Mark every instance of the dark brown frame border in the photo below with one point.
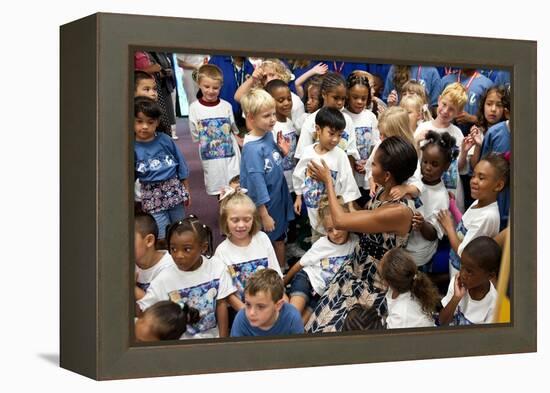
(96, 147)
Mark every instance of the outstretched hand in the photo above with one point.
(320, 172)
(320, 69)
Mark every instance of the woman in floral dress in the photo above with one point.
(385, 224)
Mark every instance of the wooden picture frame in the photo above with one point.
(96, 196)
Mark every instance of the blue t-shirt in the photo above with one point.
(289, 322)
(426, 76)
(159, 160)
(232, 79)
(262, 174)
(499, 140)
(381, 70)
(344, 67)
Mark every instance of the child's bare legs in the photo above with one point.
(279, 247)
(306, 314)
(299, 302)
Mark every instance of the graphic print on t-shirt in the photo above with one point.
(364, 141)
(215, 138)
(288, 161)
(331, 265)
(459, 319)
(343, 144)
(244, 270)
(203, 298)
(154, 164)
(450, 177)
(314, 189)
(453, 256)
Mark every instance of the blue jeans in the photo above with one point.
(166, 217)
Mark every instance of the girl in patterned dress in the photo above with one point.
(385, 224)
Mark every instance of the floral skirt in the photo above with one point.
(164, 195)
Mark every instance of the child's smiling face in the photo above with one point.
(210, 88)
(485, 184)
(283, 102)
(146, 88)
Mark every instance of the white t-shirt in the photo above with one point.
(242, 262)
(471, 311)
(452, 176)
(366, 136)
(312, 190)
(433, 199)
(145, 276)
(405, 312)
(299, 122)
(323, 260)
(200, 289)
(298, 108)
(348, 142)
(289, 132)
(214, 127)
(476, 222)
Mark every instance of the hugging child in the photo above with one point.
(165, 320)
(212, 125)
(329, 125)
(149, 261)
(262, 172)
(411, 296)
(159, 166)
(265, 312)
(194, 280)
(310, 276)
(471, 297)
(482, 218)
(438, 150)
(246, 249)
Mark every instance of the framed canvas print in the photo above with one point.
(98, 308)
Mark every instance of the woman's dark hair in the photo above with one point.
(445, 142)
(357, 79)
(275, 84)
(504, 97)
(398, 156)
(361, 317)
(331, 80)
(330, 117)
(192, 224)
(148, 107)
(402, 275)
(500, 162)
(171, 319)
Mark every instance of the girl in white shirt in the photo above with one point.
(411, 296)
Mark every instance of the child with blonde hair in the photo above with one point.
(246, 249)
(416, 108)
(310, 276)
(262, 172)
(212, 125)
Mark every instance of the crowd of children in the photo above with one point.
(262, 127)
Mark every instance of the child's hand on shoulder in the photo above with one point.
(398, 192)
(459, 288)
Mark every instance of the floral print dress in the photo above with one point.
(358, 280)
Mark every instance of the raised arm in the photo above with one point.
(247, 85)
(318, 69)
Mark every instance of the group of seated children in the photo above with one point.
(245, 287)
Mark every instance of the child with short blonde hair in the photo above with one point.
(212, 125)
(262, 172)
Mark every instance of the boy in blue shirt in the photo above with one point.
(265, 312)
